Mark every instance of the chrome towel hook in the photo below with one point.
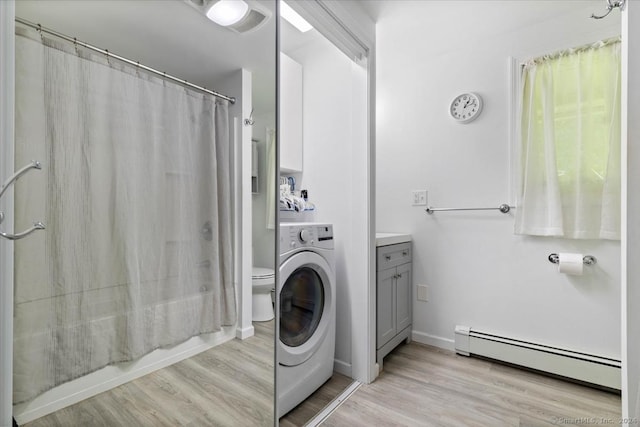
(250, 121)
(611, 4)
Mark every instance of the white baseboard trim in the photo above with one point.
(115, 375)
(244, 333)
(423, 338)
(341, 367)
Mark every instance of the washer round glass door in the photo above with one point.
(305, 302)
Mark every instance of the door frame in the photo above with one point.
(630, 244)
(7, 106)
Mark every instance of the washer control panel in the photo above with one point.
(300, 235)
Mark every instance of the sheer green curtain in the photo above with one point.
(570, 130)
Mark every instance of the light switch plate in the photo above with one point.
(419, 198)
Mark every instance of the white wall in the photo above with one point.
(239, 83)
(479, 273)
(263, 238)
(334, 157)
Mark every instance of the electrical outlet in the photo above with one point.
(423, 293)
(419, 198)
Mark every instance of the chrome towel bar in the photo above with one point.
(18, 236)
(37, 225)
(504, 208)
(33, 165)
(587, 259)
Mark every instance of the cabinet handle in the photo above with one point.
(387, 257)
(405, 253)
(399, 276)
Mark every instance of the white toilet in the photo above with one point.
(263, 281)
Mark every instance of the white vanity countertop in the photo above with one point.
(384, 239)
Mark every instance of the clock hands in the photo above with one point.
(466, 107)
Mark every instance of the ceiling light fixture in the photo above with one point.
(294, 18)
(227, 12)
(239, 16)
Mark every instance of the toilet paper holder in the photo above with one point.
(587, 259)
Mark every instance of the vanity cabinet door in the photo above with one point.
(386, 306)
(403, 297)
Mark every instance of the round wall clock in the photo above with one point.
(466, 107)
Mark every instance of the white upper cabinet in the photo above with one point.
(290, 125)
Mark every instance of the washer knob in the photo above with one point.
(304, 235)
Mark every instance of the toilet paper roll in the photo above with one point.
(570, 263)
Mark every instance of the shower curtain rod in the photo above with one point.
(108, 54)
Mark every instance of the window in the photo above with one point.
(570, 136)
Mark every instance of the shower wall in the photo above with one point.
(479, 273)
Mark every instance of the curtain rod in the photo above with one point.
(108, 54)
(583, 48)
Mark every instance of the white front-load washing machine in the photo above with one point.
(307, 311)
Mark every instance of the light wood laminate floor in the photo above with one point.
(304, 412)
(426, 386)
(228, 385)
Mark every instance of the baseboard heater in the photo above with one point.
(601, 371)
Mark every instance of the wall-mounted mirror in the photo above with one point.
(147, 298)
(323, 286)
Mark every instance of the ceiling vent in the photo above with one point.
(255, 16)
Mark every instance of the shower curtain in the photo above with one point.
(134, 191)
